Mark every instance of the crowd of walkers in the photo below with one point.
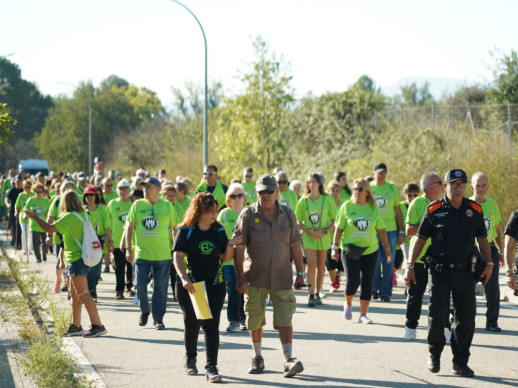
(179, 234)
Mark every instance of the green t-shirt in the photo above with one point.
(20, 204)
(152, 228)
(403, 205)
(41, 208)
(492, 217)
(109, 197)
(99, 220)
(415, 214)
(344, 196)
(117, 213)
(228, 218)
(218, 193)
(316, 215)
(70, 226)
(387, 198)
(183, 205)
(360, 224)
(251, 194)
(54, 212)
(288, 198)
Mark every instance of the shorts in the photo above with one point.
(77, 268)
(284, 306)
(331, 264)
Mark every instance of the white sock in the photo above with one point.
(257, 348)
(286, 348)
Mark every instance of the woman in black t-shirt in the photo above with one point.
(200, 246)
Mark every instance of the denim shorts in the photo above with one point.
(77, 268)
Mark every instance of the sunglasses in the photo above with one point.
(412, 195)
(248, 176)
(282, 182)
(89, 195)
(209, 173)
(236, 196)
(263, 192)
(38, 191)
(358, 188)
(108, 185)
(28, 187)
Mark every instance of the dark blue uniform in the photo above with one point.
(453, 232)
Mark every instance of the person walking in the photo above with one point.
(432, 190)
(70, 226)
(201, 246)
(152, 219)
(40, 205)
(270, 236)
(211, 184)
(492, 220)
(358, 226)
(453, 223)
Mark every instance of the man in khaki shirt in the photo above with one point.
(270, 234)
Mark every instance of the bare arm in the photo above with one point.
(129, 249)
(182, 273)
(239, 256)
(42, 224)
(510, 243)
(296, 253)
(400, 225)
(336, 243)
(382, 234)
(485, 251)
(411, 230)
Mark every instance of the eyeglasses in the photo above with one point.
(28, 187)
(458, 185)
(209, 173)
(38, 191)
(248, 176)
(358, 189)
(108, 185)
(263, 192)
(236, 196)
(433, 183)
(412, 195)
(282, 182)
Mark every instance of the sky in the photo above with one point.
(326, 44)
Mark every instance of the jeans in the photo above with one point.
(192, 325)
(383, 276)
(122, 267)
(492, 289)
(236, 300)
(161, 271)
(40, 245)
(94, 273)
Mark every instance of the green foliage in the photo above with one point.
(250, 129)
(26, 104)
(505, 74)
(6, 124)
(413, 95)
(116, 110)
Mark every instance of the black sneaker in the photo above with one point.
(143, 318)
(159, 325)
(375, 295)
(38, 260)
(385, 299)
(257, 365)
(119, 296)
(95, 331)
(106, 269)
(190, 366)
(44, 258)
(212, 375)
(74, 331)
(493, 328)
(433, 364)
(311, 300)
(462, 370)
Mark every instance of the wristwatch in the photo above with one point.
(300, 273)
(410, 266)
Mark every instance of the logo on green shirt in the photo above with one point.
(149, 222)
(38, 211)
(206, 247)
(122, 217)
(381, 201)
(315, 217)
(362, 223)
(487, 221)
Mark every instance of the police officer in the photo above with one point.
(452, 223)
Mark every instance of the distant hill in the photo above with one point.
(438, 86)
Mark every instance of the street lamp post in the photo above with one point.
(206, 104)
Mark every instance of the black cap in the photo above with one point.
(455, 175)
(379, 166)
(137, 193)
(265, 182)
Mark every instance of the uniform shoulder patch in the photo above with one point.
(475, 206)
(434, 206)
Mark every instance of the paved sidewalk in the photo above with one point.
(335, 352)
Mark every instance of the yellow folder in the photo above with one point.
(200, 302)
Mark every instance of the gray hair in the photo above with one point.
(477, 175)
(281, 174)
(426, 178)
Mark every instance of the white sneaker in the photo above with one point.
(365, 320)
(135, 300)
(410, 334)
(447, 335)
(348, 311)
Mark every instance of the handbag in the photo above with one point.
(354, 252)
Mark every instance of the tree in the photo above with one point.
(6, 124)
(413, 95)
(116, 110)
(250, 128)
(25, 103)
(505, 77)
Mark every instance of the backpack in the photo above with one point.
(92, 249)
